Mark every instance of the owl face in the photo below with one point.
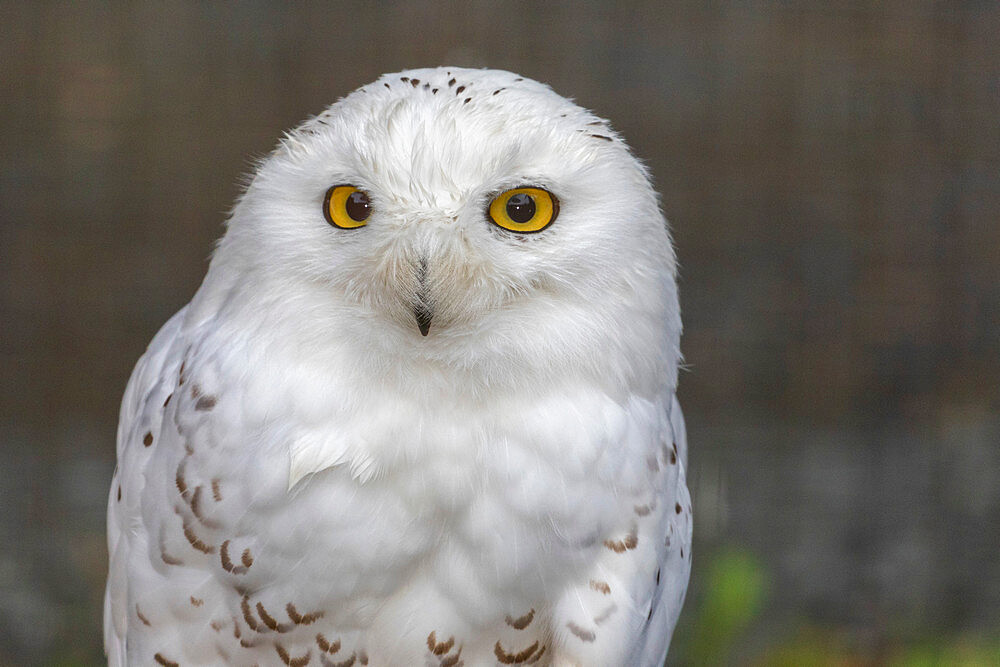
(463, 216)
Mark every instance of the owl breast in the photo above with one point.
(444, 517)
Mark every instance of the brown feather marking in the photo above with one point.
(536, 657)
(166, 402)
(244, 642)
(216, 494)
(180, 374)
(302, 619)
(514, 658)
(620, 546)
(439, 648)
(163, 661)
(522, 622)
(195, 503)
(606, 614)
(452, 660)
(327, 646)
(147, 439)
(205, 403)
(227, 562)
(363, 658)
(269, 620)
(198, 514)
(246, 558)
(195, 541)
(342, 663)
(289, 660)
(585, 635)
(179, 479)
(248, 615)
(216, 625)
(142, 617)
(600, 587)
(197, 602)
(168, 559)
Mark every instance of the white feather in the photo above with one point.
(323, 473)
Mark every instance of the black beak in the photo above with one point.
(421, 306)
(423, 319)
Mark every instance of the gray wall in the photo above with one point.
(832, 174)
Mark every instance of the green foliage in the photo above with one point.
(965, 651)
(814, 647)
(736, 586)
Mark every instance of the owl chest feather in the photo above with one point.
(480, 495)
(474, 495)
(286, 497)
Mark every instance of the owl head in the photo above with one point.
(468, 220)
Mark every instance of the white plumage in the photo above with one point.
(305, 479)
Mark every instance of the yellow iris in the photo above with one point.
(524, 210)
(347, 207)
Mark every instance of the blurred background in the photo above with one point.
(831, 171)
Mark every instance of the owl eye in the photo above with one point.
(347, 207)
(524, 210)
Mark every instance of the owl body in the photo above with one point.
(309, 474)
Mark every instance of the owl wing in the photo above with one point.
(675, 560)
(626, 612)
(158, 363)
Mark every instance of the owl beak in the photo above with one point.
(421, 304)
(423, 314)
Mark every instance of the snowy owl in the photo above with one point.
(422, 409)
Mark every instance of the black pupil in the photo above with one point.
(521, 207)
(357, 206)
